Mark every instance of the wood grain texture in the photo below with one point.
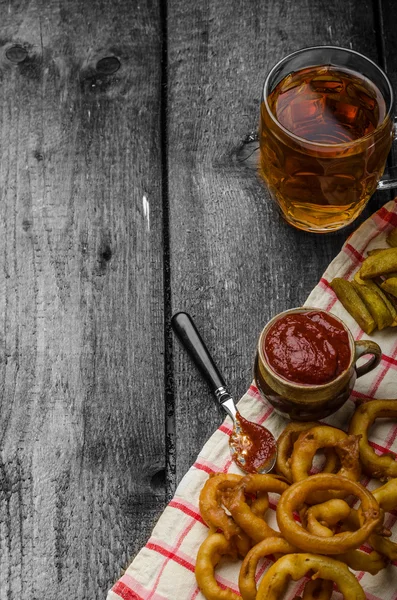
(387, 41)
(234, 262)
(387, 36)
(83, 420)
(81, 286)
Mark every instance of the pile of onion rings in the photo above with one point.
(319, 533)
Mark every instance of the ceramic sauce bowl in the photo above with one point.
(305, 364)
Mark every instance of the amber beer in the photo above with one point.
(325, 134)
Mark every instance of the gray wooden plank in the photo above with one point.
(234, 262)
(82, 448)
(387, 39)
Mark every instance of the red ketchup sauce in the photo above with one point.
(254, 445)
(310, 348)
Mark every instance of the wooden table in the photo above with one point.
(122, 202)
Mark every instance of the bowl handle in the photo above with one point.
(363, 347)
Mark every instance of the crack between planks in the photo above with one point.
(380, 40)
(379, 34)
(169, 395)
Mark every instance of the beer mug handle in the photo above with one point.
(389, 179)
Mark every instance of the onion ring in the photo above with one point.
(384, 546)
(318, 589)
(285, 444)
(236, 503)
(380, 467)
(330, 513)
(358, 560)
(295, 496)
(270, 545)
(210, 503)
(210, 552)
(386, 496)
(296, 566)
(376, 540)
(324, 436)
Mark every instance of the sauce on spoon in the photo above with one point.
(252, 445)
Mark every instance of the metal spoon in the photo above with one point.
(244, 449)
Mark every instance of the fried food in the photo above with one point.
(390, 286)
(260, 504)
(210, 503)
(373, 285)
(295, 497)
(381, 467)
(285, 444)
(352, 302)
(378, 541)
(373, 289)
(296, 566)
(384, 546)
(210, 552)
(318, 589)
(387, 300)
(386, 496)
(331, 511)
(358, 560)
(236, 502)
(324, 436)
(367, 302)
(320, 539)
(376, 301)
(271, 545)
(375, 251)
(392, 238)
(379, 264)
(321, 519)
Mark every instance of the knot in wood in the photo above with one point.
(16, 54)
(106, 254)
(108, 65)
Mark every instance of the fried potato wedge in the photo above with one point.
(375, 287)
(390, 286)
(388, 301)
(375, 251)
(352, 302)
(374, 303)
(392, 238)
(380, 263)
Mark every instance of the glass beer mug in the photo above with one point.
(326, 129)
